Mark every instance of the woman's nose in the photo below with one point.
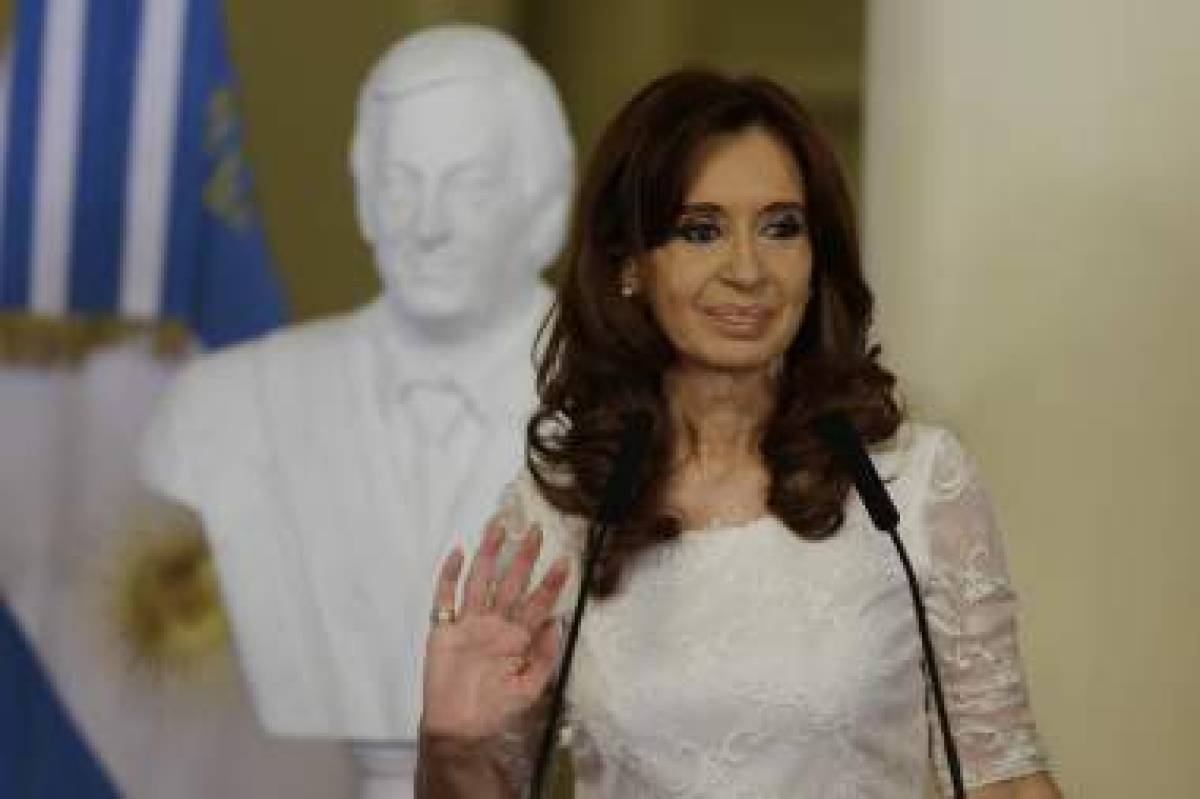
(744, 267)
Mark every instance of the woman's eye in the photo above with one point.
(788, 226)
(698, 231)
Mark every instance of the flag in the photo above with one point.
(43, 755)
(126, 215)
(126, 193)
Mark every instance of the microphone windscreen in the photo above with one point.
(837, 432)
(621, 489)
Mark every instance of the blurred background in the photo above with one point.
(1028, 177)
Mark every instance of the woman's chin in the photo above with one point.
(731, 361)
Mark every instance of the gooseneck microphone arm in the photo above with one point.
(619, 494)
(841, 437)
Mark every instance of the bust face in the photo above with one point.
(448, 212)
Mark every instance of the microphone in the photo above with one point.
(616, 500)
(841, 437)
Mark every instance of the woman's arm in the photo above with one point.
(452, 769)
(972, 611)
(485, 670)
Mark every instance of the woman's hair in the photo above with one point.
(603, 355)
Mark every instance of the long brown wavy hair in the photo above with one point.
(603, 355)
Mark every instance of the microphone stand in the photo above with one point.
(617, 498)
(844, 440)
(596, 539)
(935, 680)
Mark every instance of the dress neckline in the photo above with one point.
(718, 529)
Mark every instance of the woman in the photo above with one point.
(749, 634)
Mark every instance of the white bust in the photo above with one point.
(335, 463)
(463, 168)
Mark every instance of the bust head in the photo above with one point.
(463, 169)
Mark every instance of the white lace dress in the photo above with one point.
(746, 662)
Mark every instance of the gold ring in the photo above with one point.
(443, 615)
(517, 665)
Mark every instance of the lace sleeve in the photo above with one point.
(972, 614)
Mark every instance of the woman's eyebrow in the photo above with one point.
(783, 205)
(711, 209)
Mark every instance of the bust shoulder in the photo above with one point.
(234, 363)
(307, 347)
(212, 417)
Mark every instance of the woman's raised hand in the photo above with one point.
(489, 661)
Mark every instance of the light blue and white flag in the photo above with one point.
(125, 190)
(124, 195)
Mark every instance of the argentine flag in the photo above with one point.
(125, 189)
(124, 195)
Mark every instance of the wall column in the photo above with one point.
(1032, 182)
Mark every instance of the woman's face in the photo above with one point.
(730, 286)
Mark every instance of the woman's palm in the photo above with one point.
(487, 668)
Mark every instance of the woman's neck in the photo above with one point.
(718, 416)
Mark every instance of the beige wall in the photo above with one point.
(1033, 180)
(600, 52)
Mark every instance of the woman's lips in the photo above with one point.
(741, 321)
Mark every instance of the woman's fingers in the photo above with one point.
(542, 660)
(537, 607)
(516, 577)
(483, 568)
(445, 594)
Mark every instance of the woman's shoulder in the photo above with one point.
(918, 457)
(912, 441)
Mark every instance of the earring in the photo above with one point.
(629, 285)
